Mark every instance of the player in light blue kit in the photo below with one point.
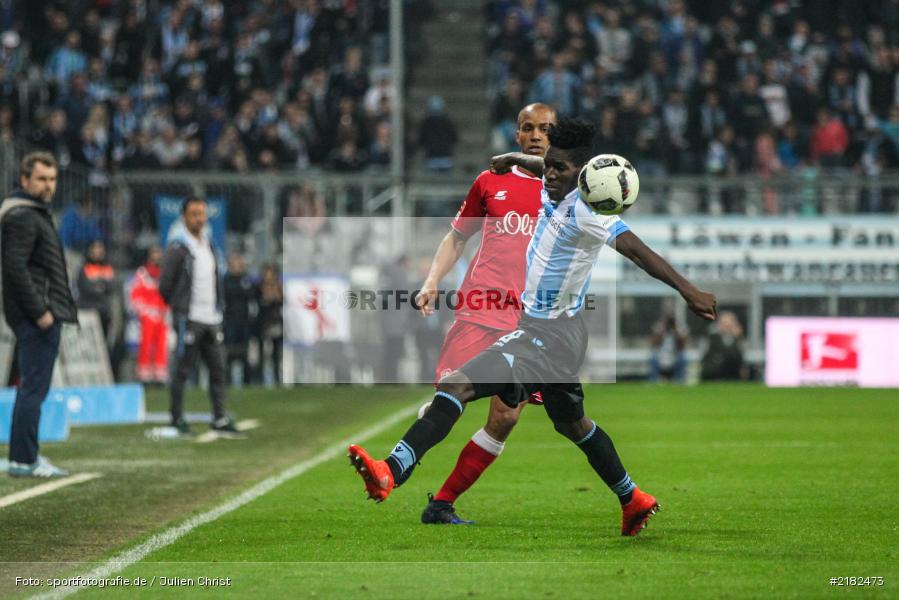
(547, 350)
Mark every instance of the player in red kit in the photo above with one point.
(151, 309)
(504, 209)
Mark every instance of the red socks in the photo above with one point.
(473, 460)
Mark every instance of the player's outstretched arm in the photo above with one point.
(503, 163)
(632, 247)
(448, 252)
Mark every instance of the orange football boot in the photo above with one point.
(376, 473)
(637, 512)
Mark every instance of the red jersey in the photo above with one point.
(504, 208)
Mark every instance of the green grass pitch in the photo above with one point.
(765, 493)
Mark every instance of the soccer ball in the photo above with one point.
(609, 184)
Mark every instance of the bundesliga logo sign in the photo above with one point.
(829, 351)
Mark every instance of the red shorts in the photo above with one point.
(464, 341)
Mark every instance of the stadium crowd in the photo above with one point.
(190, 84)
(751, 86)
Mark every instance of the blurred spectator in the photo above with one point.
(878, 85)
(76, 103)
(98, 87)
(7, 123)
(505, 115)
(890, 127)
(174, 37)
(748, 63)
(378, 99)
(80, 225)
(297, 131)
(185, 119)
(767, 164)
(66, 60)
(11, 58)
(589, 105)
(774, 94)
(606, 133)
(437, 136)
(829, 139)
(379, 150)
(129, 44)
(668, 358)
(190, 63)
(54, 137)
(842, 97)
(627, 122)
(96, 287)
(656, 81)
(193, 156)
(349, 79)
(95, 148)
(790, 147)
(749, 113)
(875, 155)
(650, 140)
(213, 125)
(269, 322)
(675, 120)
(347, 158)
(240, 298)
(305, 211)
(346, 123)
(721, 158)
(139, 154)
(766, 159)
(149, 90)
(151, 310)
(556, 86)
(169, 148)
(709, 119)
(269, 140)
(723, 359)
(227, 148)
(614, 43)
(124, 126)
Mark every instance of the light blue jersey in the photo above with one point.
(561, 255)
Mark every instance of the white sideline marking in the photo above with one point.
(169, 536)
(46, 488)
(211, 436)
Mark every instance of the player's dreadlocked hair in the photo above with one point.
(573, 134)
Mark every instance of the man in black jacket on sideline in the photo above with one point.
(36, 301)
(190, 284)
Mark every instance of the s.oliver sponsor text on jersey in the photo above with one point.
(504, 209)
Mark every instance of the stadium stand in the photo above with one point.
(190, 85)
(717, 88)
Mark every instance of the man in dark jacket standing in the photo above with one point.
(190, 284)
(36, 301)
(239, 296)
